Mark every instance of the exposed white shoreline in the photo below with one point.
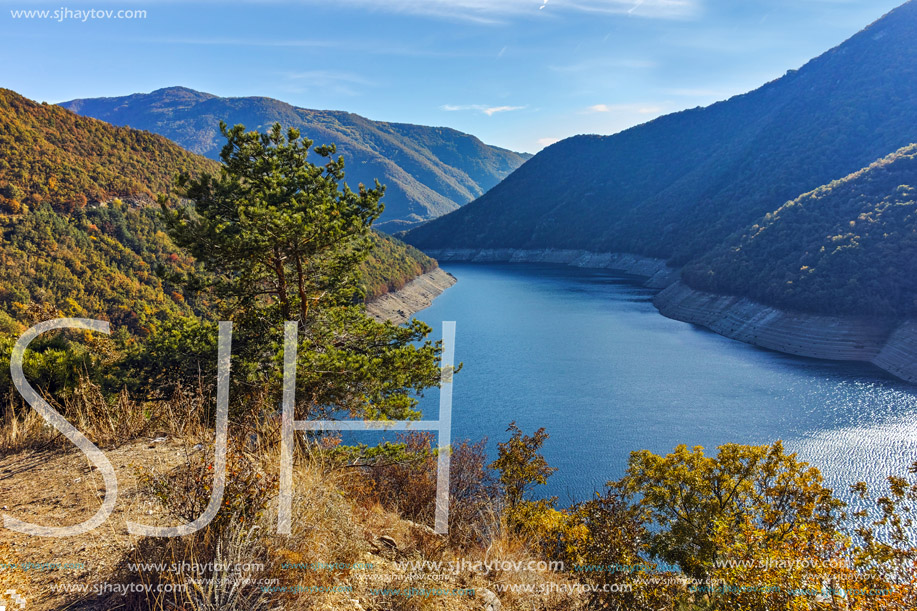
(399, 306)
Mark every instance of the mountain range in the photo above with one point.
(428, 171)
(688, 186)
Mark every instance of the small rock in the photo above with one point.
(422, 527)
(491, 602)
(388, 542)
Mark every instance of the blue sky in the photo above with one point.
(516, 73)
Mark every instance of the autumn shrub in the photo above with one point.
(222, 566)
(884, 550)
(686, 494)
(521, 469)
(185, 492)
(754, 528)
(406, 483)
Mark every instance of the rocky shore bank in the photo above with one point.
(887, 343)
(414, 296)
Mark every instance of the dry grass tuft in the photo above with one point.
(107, 422)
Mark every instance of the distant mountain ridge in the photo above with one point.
(678, 186)
(428, 171)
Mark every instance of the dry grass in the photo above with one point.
(212, 570)
(13, 580)
(408, 487)
(23, 431)
(108, 423)
(329, 528)
(340, 517)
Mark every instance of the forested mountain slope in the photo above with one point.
(52, 155)
(80, 236)
(677, 186)
(848, 247)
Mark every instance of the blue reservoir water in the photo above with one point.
(585, 354)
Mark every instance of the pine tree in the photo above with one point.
(279, 239)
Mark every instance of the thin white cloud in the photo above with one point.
(640, 109)
(495, 109)
(605, 63)
(373, 47)
(494, 11)
(543, 142)
(499, 10)
(329, 77)
(487, 110)
(655, 9)
(694, 93)
(458, 107)
(343, 83)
